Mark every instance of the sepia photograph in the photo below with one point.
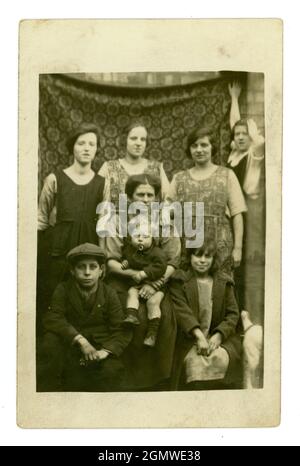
(146, 211)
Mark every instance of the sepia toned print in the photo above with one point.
(130, 318)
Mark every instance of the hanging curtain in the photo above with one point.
(169, 113)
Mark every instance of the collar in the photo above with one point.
(235, 157)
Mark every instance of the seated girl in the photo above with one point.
(208, 347)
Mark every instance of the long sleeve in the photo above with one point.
(119, 337)
(255, 160)
(55, 318)
(184, 315)
(47, 202)
(232, 314)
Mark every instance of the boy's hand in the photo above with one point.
(89, 352)
(214, 342)
(102, 354)
(124, 265)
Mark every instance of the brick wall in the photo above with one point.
(252, 100)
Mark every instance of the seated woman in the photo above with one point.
(148, 368)
(208, 348)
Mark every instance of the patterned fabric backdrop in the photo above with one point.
(169, 114)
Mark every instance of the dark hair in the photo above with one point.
(201, 133)
(82, 129)
(242, 122)
(135, 181)
(125, 133)
(209, 247)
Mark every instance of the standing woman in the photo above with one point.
(68, 202)
(247, 162)
(218, 188)
(248, 146)
(117, 172)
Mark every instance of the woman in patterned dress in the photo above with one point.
(218, 188)
(117, 172)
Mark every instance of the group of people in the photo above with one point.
(142, 311)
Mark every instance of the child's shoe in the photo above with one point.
(131, 318)
(151, 335)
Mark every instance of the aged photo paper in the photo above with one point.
(189, 94)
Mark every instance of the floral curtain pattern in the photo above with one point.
(169, 113)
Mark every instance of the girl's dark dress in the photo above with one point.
(75, 224)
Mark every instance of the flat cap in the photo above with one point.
(86, 249)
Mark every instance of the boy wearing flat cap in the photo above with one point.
(84, 336)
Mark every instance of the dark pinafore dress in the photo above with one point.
(75, 219)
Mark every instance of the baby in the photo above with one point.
(148, 264)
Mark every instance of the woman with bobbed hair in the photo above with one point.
(218, 188)
(133, 143)
(68, 202)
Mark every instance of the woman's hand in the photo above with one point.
(158, 284)
(237, 257)
(234, 90)
(214, 342)
(146, 291)
(254, 133)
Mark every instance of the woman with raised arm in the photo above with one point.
(247, 161)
